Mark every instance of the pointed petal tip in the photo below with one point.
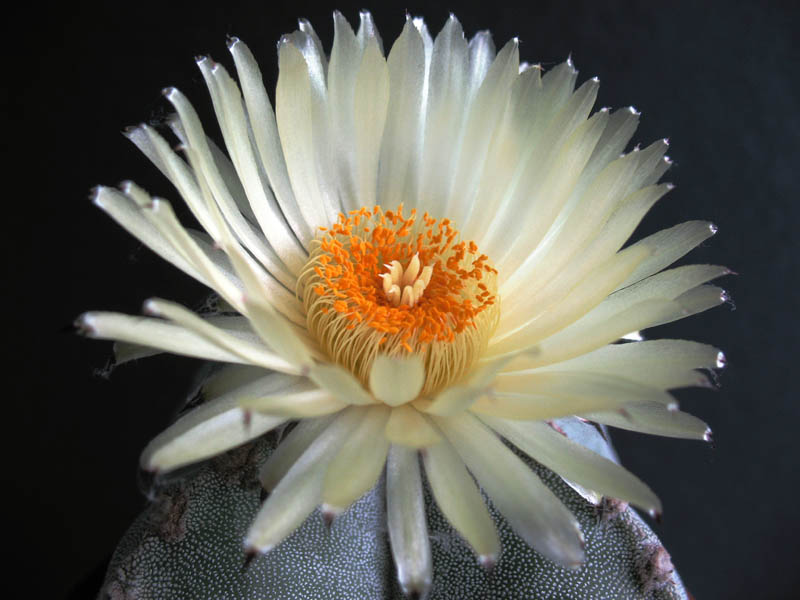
(231, 41)
(488, 562)
(84, 325)
(708, 436)
(329, 514)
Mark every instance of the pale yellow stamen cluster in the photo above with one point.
(405, 286)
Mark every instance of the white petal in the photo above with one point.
(576, 463)
(655, 419)
(213, 427)
(665, 364)
(153, 333)
(248, 351)
(371, 104)
(294, 106)
(396, 380)
(408, 427)
(127, 214)
(398, 179)
(358, 464)
(460, 501)
(290, 449)
(447, 103)
(669, 245)
(235, 127)
(405, 513)
(339, 382)
(460, 396)
(484, 114)
(539, 396)
(304, 403)
(563, 304)
(298, 492)
(266, 137)
(534, 512)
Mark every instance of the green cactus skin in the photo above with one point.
(187, 545)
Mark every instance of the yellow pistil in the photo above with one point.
(379, 282)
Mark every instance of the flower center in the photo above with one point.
(378, 282)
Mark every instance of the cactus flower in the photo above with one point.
(417, 258)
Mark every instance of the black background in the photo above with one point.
(718, 79)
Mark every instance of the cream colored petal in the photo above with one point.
(532, 510)
(483, 116)
(153, 333)
(408, 530)
(573, 231)
(236, 130)
(297, 405)
(160, 214)
(565, 306)
(669, 245)
(622, 124)
(358, 464)
(460, 396)
(575, 462)
(293, 109)
(225, 166)
(367, 31)
(447, 103)
(655, 419)
(276, 331)
(608, 241)
(537, 194)
(576, 384)
(460, 501)
(229, 377)
(667, 284)
(665, 364)
(248, 351)
(396, 380)
(127, 214)
(371, 103)
(398, 178)
(574, 340)
(213, 427)
(205, 167)
(544, 396)
(339, 382)
(298, 492)
(481, 55)
(290, 449)
(266, 137)
(408, 427)
(345, 59)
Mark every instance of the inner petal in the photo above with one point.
(378, 282)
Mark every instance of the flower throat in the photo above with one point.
(378, 282)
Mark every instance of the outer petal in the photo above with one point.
(215, 426)
(358, 464)
(655, 419)
(576, 463)
(460, 501)
(408, 530)
(534, 512)
(298, 493)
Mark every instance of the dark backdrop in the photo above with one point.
(719, 80)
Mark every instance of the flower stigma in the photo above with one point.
(378, 282)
